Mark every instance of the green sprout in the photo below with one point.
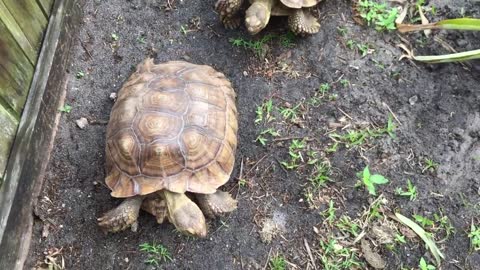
(157, 253)
(369, 181)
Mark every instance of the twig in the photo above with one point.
(309, 253)
(393, 114)
(268, 259)
(346, 114)
(255, 165)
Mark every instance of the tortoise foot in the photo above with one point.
(185, 214)
(303, 23)
(257, 17)
(228, 9)
(216, 204)
(122, 217)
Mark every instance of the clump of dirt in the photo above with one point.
(313, 112)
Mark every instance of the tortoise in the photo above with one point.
(257, 16)
(171, 139)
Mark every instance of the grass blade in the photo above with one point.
(451, 24)
(425, 237)
(447, 58)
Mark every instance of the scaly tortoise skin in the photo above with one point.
(172, 130)
(300, 21)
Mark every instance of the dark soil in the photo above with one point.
(438, 117)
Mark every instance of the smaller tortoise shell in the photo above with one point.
(173, 126)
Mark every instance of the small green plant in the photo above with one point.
(334, 256)
(294, 151)
(321, 174)
(474, 236)
(261, 138)
(264, 112)
(288, 40)
(157, 253)
(344, 82)
(425, 266)
(66, 108)
(79, 74)
(400, 238)
(424, 221)
(346, 224)
(115, 37)
(141, 39)
(258, 47)
(444, 223)
(290, 113)
(411, 191)
(329, 214)
(379, 15)
(278, 263)
(430, 165)
(364, 49)
(242, 182)
(183, 29)
(324, 88)
(369, 181)
(342, 31)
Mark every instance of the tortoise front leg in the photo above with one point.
(123, 216)
(157, 207)
(228, 10)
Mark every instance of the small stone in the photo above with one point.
(126, 260)
(186, 58)
(82, 122)
(245, 73)
(113, 96)
(413, 100)
(95, 183)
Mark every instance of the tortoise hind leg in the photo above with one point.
(228, 10)
(123, 216)
(301, 22)
(217, 203)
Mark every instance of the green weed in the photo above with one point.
(115, 37)
(370, 181)
(262, 137)
(321, 175)
(333, 256)
(66, 108)
(424, 221)
(411, 191)
(264, 112)
(156, 253)
(295, 153)
(425, 266)
(474, 236)
(430, 165)
(329, 214)
(79, 74)
(290, 113)
(345, 224)
(278, 263)
(379, 15)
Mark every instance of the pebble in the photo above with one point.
(82, 122)
(113, 96)
(245, 73)
(413, 100)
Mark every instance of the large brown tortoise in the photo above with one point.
(172, 133)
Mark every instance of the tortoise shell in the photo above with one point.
(299, 3)
(173, 126)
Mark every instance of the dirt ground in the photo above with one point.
(282, 213)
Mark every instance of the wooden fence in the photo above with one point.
(22, 26)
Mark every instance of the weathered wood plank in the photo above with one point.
(17, 33)
(9, 127)
(46, 6)
(34, 139)
(30, 17)
(15, 65)
(11, 92)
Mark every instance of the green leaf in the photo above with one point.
(66, 108)
(447, 58)
(366, 174)
(425, 237)
(371, 188)
(378, 179)
(451, 24)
